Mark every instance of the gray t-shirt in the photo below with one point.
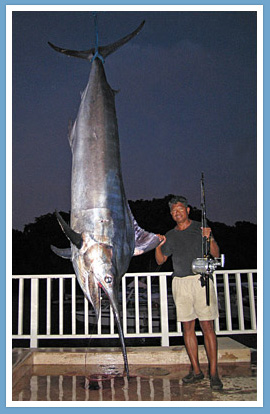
(184, 246)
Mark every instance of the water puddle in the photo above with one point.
(146, 383)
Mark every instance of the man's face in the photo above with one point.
(179, 212)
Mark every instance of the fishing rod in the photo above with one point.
(206, 265)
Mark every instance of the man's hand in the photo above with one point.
(214, 249)
(162, 240)
(206, 232)
(160, 257)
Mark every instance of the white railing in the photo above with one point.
(53, 307)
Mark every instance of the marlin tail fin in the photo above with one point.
(104, 51)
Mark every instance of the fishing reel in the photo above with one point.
(207, 265)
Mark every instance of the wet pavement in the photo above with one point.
(146, 383)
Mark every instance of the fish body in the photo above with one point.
(103, 233)
(99, 209)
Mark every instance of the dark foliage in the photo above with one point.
(32, 253)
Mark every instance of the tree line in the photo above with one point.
(31, 252)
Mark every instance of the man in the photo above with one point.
(184, 243)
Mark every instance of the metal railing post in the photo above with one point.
(34, 314)
(164, 311)
(239, 296)
(20, 306)
(252, 301)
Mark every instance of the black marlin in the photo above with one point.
(103, 233)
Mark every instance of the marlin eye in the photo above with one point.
(108, 279)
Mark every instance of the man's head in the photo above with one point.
(178, 199)
(179, 209)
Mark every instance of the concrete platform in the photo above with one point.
(229, 351)
(96, 374)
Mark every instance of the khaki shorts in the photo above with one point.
(190, 299)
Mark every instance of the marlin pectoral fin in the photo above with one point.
(144, 241)
(74, 237)
(64, 253)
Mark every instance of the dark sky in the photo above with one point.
(186, 104)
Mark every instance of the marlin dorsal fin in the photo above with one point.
(144, 240)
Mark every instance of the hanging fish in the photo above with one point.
(103, 233)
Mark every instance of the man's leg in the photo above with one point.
(191, 344)
(210, 342)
